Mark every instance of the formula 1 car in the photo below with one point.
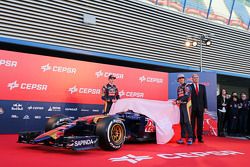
(108, 132)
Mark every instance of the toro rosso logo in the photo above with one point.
(59, 69)
(101, 73)
(27, 86)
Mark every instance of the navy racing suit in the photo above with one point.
(183, 94)
(109, 93)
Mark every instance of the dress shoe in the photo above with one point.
(180, 141)
(189, 141)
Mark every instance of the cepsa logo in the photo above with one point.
(104, 74)
(27, 86)
(59, 69)
(150, 79)
(135, 159)
(131, 94)
(92, 91)
(8, 63)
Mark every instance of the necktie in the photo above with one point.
(196, 88)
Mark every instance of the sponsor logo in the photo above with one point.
(150, 127)
(17, 107)
(63, 120)
(8, 63)
(38, 117)
(92, 91)
(95, 110)
(1, 110)
(54, 108)
(14, 116)
(150, 79)
(59, 69)
(72, 90)
(27, 86)
(171, 156)
(131, 94)
(26, 117)
(84, 142)
(13, 85)
(104, 74)
(47, 117)
(130, 158)
(71, 109)
(85, 110)
(35, 108)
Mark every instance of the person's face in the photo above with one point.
(181, 80)
(234, 99)
(195, 78)
(223, 92)
(243, 97)
(111, 80)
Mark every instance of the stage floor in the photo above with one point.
(226, 152)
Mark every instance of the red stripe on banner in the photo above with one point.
(34, 77)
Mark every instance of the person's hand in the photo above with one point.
(224, 105)
(174, 102)
(240, 106)
(205, 110)
(114, 100)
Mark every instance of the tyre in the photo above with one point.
(56, 121)
(111, 132)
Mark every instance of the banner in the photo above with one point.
(34, 87)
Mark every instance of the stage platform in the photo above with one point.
(225, 152)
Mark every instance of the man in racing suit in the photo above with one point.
(110, 94)
(184, 101)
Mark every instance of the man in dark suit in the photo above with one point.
(199, 106)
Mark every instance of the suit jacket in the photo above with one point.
(199, 102)
(220, 101)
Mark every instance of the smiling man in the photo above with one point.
(199, 106)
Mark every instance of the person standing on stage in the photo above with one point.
(243, 113)
(233, 128)
(222, 103)
(110, 94)
(183, 99)
(199, 106)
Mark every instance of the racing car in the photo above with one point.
(109, 132)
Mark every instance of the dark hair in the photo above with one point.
(222, 90)
(242, 93)
(233, 93)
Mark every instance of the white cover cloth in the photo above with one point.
(163, 113)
